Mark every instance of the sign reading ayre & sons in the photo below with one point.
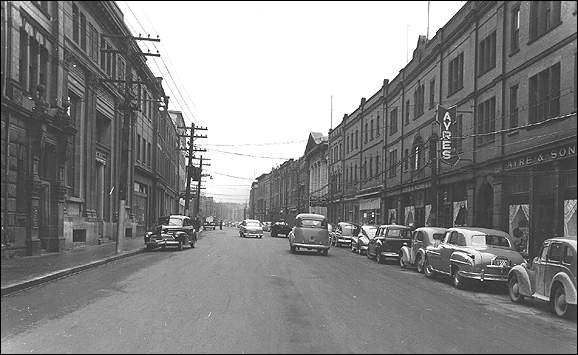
(541, 157)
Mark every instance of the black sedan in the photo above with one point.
(280, 227)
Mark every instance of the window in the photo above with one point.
(371, 130)
(556, 252)
(355, 172)
(545, 94)
(418, 101)
(486, 121)
(144, 152)
(138, 147)
(23, 60)
(407, 112)
(377, 125)
(93, 43)
(456, 74)
(515, 29)
(149, 154)
(82, 31)
(365, 169)
(377, 165)
(418, 156)
(356, 139)
(457, 131)
(347, 145)
(406, 160)
(544, 16)
(514, 106)
(568, 255)
(75, 24)
(487, 54)
(370, 167)
(393, 163)
(366, 129)
(432, 93)
(393, 122)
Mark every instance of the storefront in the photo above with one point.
(540, 196)
(370, 210)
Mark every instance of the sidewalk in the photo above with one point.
(22, 272)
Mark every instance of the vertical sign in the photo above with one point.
(446, 117)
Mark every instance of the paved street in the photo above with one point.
(235, 295)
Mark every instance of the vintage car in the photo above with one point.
(343, 232)
(280, 227)
(267, 226)
(360, 241)
(550, 277)
(470, 253)
(387, 242)
(172, 231)
(251, 228)
(421, 238)
(310, 232)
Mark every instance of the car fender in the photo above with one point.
(406, 255)
(462, 260)
(569, 287)
(524, 284)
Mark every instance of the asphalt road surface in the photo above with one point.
(236, 295)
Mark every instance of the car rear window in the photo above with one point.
(166, 221)
(490, 240)
(253, 224)
(398, 233)
(311, 223)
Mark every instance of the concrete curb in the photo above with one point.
(19, 286)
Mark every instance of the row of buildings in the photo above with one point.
(82, 122)
(503, 157)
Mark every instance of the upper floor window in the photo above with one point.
(544, 15)
(487, 54)
(545, 94)
(406, 160)
(371, 130)
(432, 87)
(75, 24)
(457, 131)
(486, 121)
(393, 121)
(356, 139)
(365, 134)
(393, 163)
(456, 74)
(515, 29)
(377, 125)
(407, 112)
(514, 106)
(418, 101)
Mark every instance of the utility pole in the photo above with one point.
(199, 182)
(127, 124)
(192, 171)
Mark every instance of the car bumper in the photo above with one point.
(390, 254)
(344, 241)
(253, 234)
(485, 276)
(162, 243)
(363, 247)
(311, 246)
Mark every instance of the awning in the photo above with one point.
(370, 204)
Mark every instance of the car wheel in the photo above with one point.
(325, 252)
(428, 269)
(293, 249)
(514, 289)
(419, 263)
(559, 304)
(458, 280)
(402, 262)
(367, 254)
(378, 257)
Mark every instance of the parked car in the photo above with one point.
(360, 241)
(387, 242)
(550, 277)
(251, 228)
(209, 225)
(280, 227)
(310, 232)
(470, 253)
(422, 238)
(172, 231)
(343, 233)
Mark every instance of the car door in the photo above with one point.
(416, 244)
(372, 239)
(434, 254)
(446, 250)
(539, 267)
(555, 256)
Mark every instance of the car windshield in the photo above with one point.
(369, 231)
(170, 221)
(398, 233)
(311, 223)
(490, 240)
(438, 236)
(253, 224)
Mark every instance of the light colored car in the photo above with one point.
(550, 277)
(360, 242)
(310, 232)
(470, 253)
(251, 228)
(423, 237)
(343, 232)
(267, 226)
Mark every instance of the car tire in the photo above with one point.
(419, 263)
(457, 280)
(428, 270)
(514, 289)
(293, 249)
(378, 257)
(325, 252)
(402, 263)
(367, 254)
(558, 301)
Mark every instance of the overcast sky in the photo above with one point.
(264, 72)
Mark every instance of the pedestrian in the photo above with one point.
(221, 224)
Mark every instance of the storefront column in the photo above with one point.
(498, 220)
(470, 193)
(532, 244)
(400, 219)
(558, 191)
